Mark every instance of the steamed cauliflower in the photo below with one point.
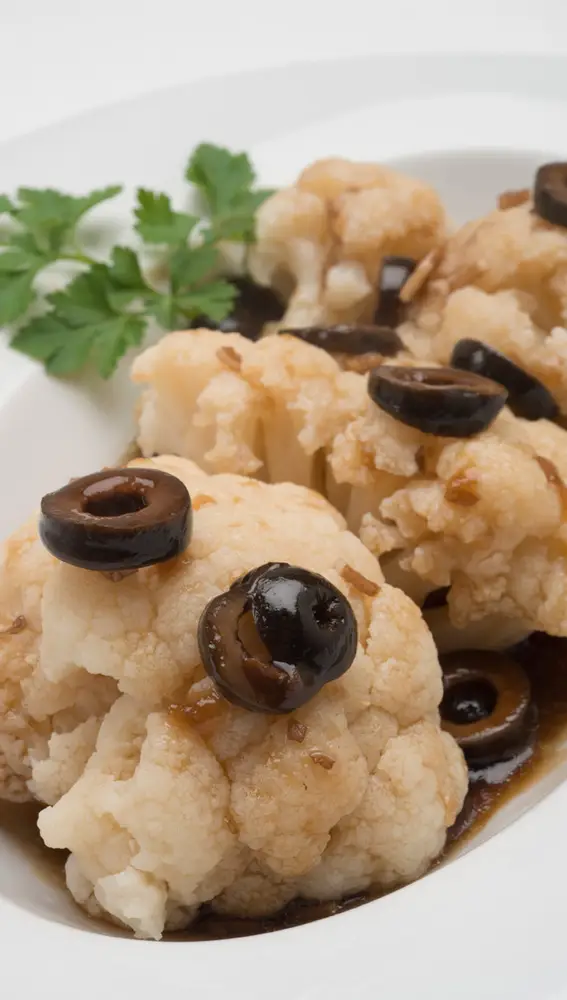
(168, 796)
(501, 279)
(321, 242)
(483, 516)
(39, 719)
(486, 519)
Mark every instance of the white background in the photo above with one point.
(58, 57)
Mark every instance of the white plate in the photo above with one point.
(491, 924)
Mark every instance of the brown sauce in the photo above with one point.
(545, 660)
(18, 825)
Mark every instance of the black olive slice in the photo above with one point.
(486, 704)
(350, 339)
(527, 396)
(236, 659)
(550, 193)
(254, 306)
(276, 637)
(117, 519)
(394, 273)
(442, 401)
(246, 581)
(305, 621)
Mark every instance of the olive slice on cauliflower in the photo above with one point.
(350, 339)
(441, 401)
(527, 396)
(117, 519)
(481, 515)
(276, 637)
(167, 795)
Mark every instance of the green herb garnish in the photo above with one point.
(105, 309)
(226, 183)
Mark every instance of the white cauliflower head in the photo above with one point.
(463, 514)
(485, 518)
(325, 237)
(501, 279)
(38, 718)
(168, 796)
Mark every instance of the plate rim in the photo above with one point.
(298, 950)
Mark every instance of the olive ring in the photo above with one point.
(350, 339)
(117, 519)
(486, 704)
(442, 401)
(276, 637)
(527, 396)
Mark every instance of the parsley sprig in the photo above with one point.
(107, 306)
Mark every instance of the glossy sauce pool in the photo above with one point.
(545, 660)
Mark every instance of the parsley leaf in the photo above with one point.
(46, 220)
(16, 292)
(191, 265)
(126, 279)
(215, 301)
(158, 223)
(192, 288)
(220, 175)
(83, 325)
(105, 309)
(50, 216)
(226, 180)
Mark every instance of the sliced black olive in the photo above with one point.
(442, 401)
(350, 339)
(276, 637)
(117, 519)
(527, 396)
(394, 273)
(486, 704)
(253, 308)
(550, 193)
(246, 581)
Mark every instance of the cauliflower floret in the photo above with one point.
(196, 404)
(36, 717)
(286, 800)
(414, 779)
(176, 797)
(312, 423)
(454, 513)
(501, 279)
(327, 235)
(293, 241)
(288, 391)
(488, 522)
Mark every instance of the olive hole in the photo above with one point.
(468, 701)
(115, 504)
(326, 614)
